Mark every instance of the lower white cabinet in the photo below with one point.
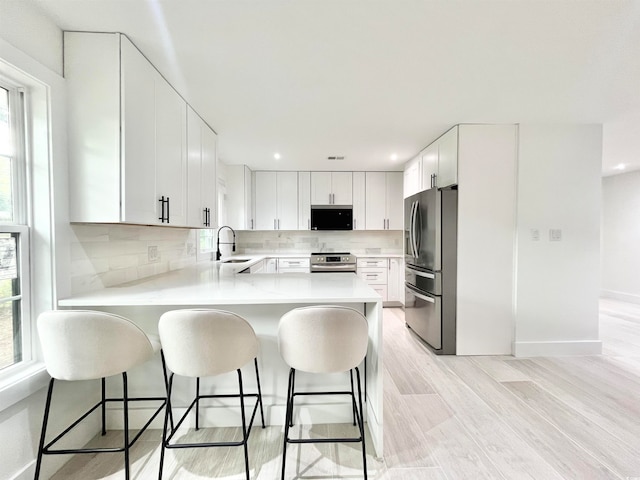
(271, 265)
(294, 265)
(384, 275)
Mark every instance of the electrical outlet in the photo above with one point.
(555, 235)
(152, 254)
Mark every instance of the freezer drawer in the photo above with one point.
(423, 314)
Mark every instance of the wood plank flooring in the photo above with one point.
(449, 418)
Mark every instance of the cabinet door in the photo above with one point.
(342, 188)
(375, 200)
(413, 177)
(304, 201)
(171, 162)
(430, 166)
(448, 158)
(265, 200)
(195, 213)
(359, 201)
(287, 200)
(248, 199)
(321, 188)
(395, 290)
(394, 201)
(139, 201)
(209, 178)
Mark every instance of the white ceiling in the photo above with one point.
(366, 79)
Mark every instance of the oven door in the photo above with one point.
(423, 314)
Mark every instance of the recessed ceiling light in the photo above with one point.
(276, 156)
(620, 166)
(394, 157)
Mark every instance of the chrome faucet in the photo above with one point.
(233, 248)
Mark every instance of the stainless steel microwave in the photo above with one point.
(331, 217)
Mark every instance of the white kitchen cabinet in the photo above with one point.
(440, 161)
(374, 271)
(331, 188)
(127, 133)
(395, 282)
(276, 200)
(304, 201)
(359, 201)
(271, 265)
(239, 197)
(429, 158)
(201, 172)
(384, 204)
(412, 177)
(294, 265)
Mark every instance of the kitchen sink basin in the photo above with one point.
(236, 261)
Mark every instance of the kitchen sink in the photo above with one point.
(236, 261)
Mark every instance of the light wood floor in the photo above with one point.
(452, 418)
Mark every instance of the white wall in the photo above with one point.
(558, 283)
(39, 58)
(621, 236)
(486, 225)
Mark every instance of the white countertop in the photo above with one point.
(204, 284)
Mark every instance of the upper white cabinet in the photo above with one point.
(201, 172)
(127, 136)
(304, 201)
(359, 201)
(448, 158)
(239, 197)
(276, 200)
(331, 188)
(440, 161)
(412, 176)
(384, 205)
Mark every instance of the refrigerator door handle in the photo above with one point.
(419, 273)
(414, 217)
(415, 293)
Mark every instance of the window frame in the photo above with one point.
(21, 206)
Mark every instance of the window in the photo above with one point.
(14, 304)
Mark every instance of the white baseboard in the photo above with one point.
(555, 349)
(622, 296)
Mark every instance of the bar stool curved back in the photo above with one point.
(323, 339)
(202, 343)
(88, 345)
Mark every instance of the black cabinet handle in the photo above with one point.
(207, 217)
(164, 201)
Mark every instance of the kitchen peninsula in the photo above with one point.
(262, 300)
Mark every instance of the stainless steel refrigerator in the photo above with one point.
(431, 233)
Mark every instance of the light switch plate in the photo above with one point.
(152, 253)
(535, 234)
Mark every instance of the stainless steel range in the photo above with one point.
(333, 262)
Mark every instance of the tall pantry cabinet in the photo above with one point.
(128, 137)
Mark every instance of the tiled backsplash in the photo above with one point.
(108, 255)
(359, 242)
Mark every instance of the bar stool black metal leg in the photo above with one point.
(45, 420)
(104, 405)
(197, 403)
(293, 383)
(255, 361)
(167, 415)
(125, 401)
(245, 434)
(286, 422)
(361, 422)
(353, 397)
(166, 383)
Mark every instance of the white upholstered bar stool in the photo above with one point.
(203, 343)
(90, 345)
(323, 339)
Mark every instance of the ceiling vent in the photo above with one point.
(336, 157)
